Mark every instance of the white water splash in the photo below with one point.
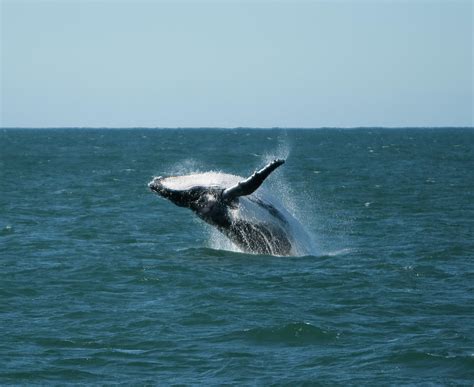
(337, 252)
(218, 241)
(281, 188)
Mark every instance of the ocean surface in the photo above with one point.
(101, 281)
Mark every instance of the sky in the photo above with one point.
(236, 63)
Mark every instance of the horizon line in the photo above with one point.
(230, 128)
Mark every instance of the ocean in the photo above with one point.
(104, 282)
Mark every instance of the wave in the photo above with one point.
(421, 359)
(294, 334)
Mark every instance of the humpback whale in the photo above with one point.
(251, 219)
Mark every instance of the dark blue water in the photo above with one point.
(103, 282)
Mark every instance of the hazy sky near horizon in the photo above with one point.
(236, 63)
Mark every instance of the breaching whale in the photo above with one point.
(254, 221)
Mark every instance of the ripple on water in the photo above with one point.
(293, 334)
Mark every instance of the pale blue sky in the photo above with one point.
(230, 64)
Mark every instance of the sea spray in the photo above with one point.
(293, 200)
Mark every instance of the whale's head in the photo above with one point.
(190, 191)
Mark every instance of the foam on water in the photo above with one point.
(336, 252)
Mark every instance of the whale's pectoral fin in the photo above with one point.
(250, 185)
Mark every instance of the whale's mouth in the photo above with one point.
(156, 184)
